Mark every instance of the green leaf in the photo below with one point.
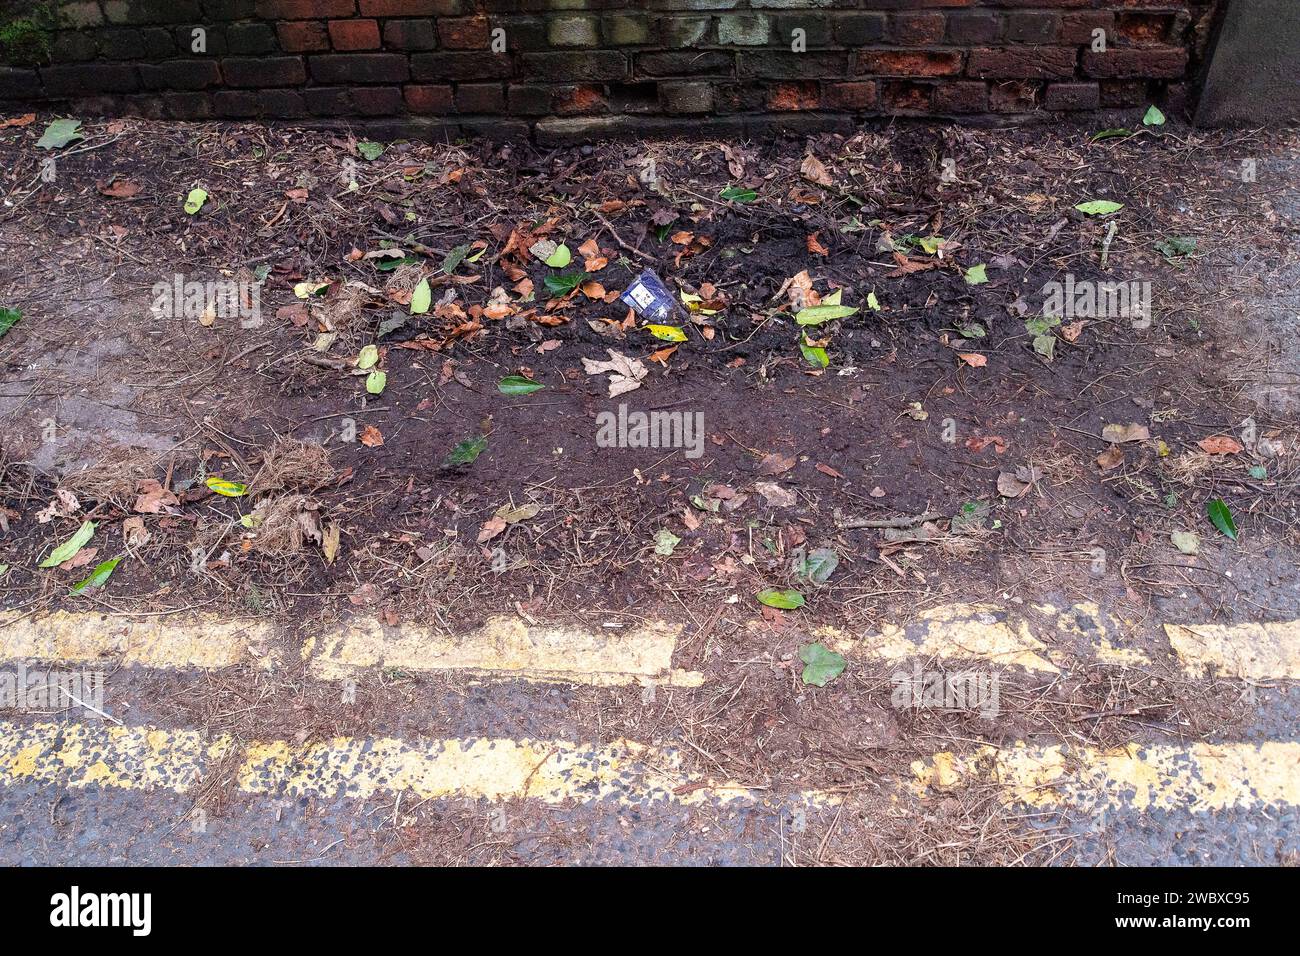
(1258, 472)
(821, 664)
(560, 258)
(370, 151)
(668, 333)
(1188, 542)
(563, 284)
(1153, 118)
(814, 355)
(1041, 324)
(466, 453)
(971, 330)
(1099, 207)
(227, 489)
(421, 298)
(976, 275)
(665, 542)
(1175, 247)
(824, 313)
(872, 302)
(454, 259)
(1045, 345)
(8, 319)
(195, 200)
(518, 385)
(818, 565)
(376, 381)
(786, 600)
(69, 548)
(738, 194)
(368, 358)
(1221, 517)
(98, 577)
(60, 133)
(1110, 134)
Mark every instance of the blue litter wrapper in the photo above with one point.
(649, 298)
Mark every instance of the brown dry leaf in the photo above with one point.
(663, 355)
(524, 287)
(589, 249)
(330, 542)
(27, 119)
(828, 470)
(593, 290)
(296, 313)
(1219, 445)
(371, 437)
(550, 345)
(134, 532)
(80, 559)
(877, 492)
(776, 464)
(1118, 434)
(153, 498)
(491, 528)
(979, 443)
(1070, 331)
(973, 359)
(1014, 484)
(119, 189)
(297, 195)
(907, 266)
(688, 518)
(814, 245)
(682, 238)
(1111, 458)
(595, 263)
(813, 170)
(775, 495)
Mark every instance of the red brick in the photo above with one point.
(787, 97)
(580, 101)
(1166, 62)
(480, 98)
(906, 63)
(1020, 96)
(906, 96)
(410, 8)
(1072, 96)
(1144, 29)
(961, 97)
(354, 34)
(858, 95)
(917, 29)
(303, 36)
(1077, 27)
(428, 99)
(464, 33)
(1047, 62)
(305, 9)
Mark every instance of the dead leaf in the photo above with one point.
(1014, 484)
(828, 470)
(1119, 434)
(134, 532)
(1219, 445)
(626, 373)
(775, 495)
(491, 528)
(371, 437)
(119, 189)
(814, 245)
(330, 542)
(776, 464)
(27, 119)
(153, 498)
(813, 170)
(973, 359)
(1111, 458)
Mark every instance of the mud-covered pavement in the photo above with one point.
(1028, 579)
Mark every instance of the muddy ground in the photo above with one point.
(935, 400)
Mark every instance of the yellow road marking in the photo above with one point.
(1253, 651)
(171, 641)
(144, 758)
(1197, 777)
(505, 646)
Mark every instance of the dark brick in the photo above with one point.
(148, 107)
(1124, 94)
(188, 105)
(686, 98)
(464, 33)
(305, 9)
(461, 66)
(584, 66)
(908, 63)
(282, 104)
(1072, 96)
(414, 8)
(121, 44)
(359, 68)
(135, 12)
(328, 100)
(817, 30)
(73, 48)
(158, 43)
(214, 39)
(1078, 28)
(303, 36)
(354, 34)
(783, 65)
(1022, 62)
(437, 100)
(90, 78)
(529, 100)
(685, 64)
(973, 26)
(905, 96)
(1020, 96)
(1118, 63)
(236, 104)
(480, 98)
(854, 95)
(263, 71)
(917, 29)
(250, 38)
(962, 96)
(377, 100)
(20, 84)
(1032, 27)
(223, 11)
(180, 75)
(859, 29)
(1145, 29)
(524, 34)
(410, 35)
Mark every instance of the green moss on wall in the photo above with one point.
(25, 39)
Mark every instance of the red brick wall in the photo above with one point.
(578, 68)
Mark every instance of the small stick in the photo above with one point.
(619, 239)
(904, 522)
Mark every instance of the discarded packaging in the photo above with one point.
(649, 298)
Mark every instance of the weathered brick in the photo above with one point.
(180, 75)
(281, 104)
(1119, 63)
(705, 63)
(303, 36)
(963, 96)
(305, 9)
(354, 34)
(917, 29)
(428, 99)
(121, 44)
(686, 98)
(524, 33)
(80, 15)
(412, 8)
(1124, 94)
(236, 104)
(1032, 27)
(626, 30)
(574, 32)
(583, 100)
(359, 68)
(263, 71)
(20, 84)
(191, 106)
(328, 100)
(853, 95)
(135, 12)
(906, 96)
(684, 31)
(461, 66)
(480, 98)
(89, 78)
(528, 100)
(1072, 96)
(908, 62)
(744, 29)
(250, 38)
(464, 33)
(816, 30)
(587, 66)
(410, 35)
(1019, 96)
(158, 43)
(1010, 62)
(790, 97)
(773, 64)
(73, 48)
(377, 100)
(226, 11)
(1145, 29)
(1079, 28)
